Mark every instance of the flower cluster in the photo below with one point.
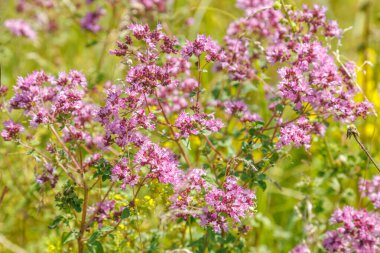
(314, 78)
(161, 163)
(300, 248)
(311, 80)
(187, 191)
(102, 211)
(90, 21)
(194, 124)
(298, 133)
(232, 201)
(11, 130)
(49, 100)
(48, 175)
(371, 189)
(20, 28)
(203, 44)
(149, 5)
(358, 231)
(121, 172)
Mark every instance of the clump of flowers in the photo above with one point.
(11, 130)
(194, 124)
(232, 201)
(20, 28)
(150, 5)
(90, 21)
(358, 231)
(371, 190)
(300, 248)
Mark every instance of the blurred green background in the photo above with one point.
(312, 184)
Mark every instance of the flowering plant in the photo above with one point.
(184, 127)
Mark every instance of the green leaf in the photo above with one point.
(56, 222)
(126, 213)
(186, 142)
(262, 185)
(68, 199)
(103, 169)
(279, 107)
(106, 229)
(261, 177)
(215, 93)
(91, 43)
(67, 237)
(256, 146)
(93, 237)
(192, 94)
(30, 152)
(95, 247)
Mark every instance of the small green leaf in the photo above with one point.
(56, 222)
(186, 142)
(95, 247)
(67, 237)
(93, 237)
(106, 229)
(126, 213)
(262, 185)
(256, 146)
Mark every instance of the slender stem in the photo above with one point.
(199, 83)
(172, 131)
(91, 219)
(133, 203)
(356, 137)
(108, 32)
(214, 148)
(5, 190)
(83, 220)
(78, 167)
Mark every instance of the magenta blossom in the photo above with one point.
(20, 28)
(11, 130)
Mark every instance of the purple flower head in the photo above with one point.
(203, 44)
(149, 5)
(161, 163)
(48, 175)
(250, 117)
(3, 90)
(121, 172)
(358, 231)
(234, 201)
(297, 133)
(11, 130)
(300, 248)
(235, 107)
(192, 124)
(371, 190)
(20, 28)
(102, 211)
(186, 125)
(251, 6)
(187, 191)
(90, 21)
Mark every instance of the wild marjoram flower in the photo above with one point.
(301, 248)
(371, 189)
(358, 231)
(20, 28)
(124, 143)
